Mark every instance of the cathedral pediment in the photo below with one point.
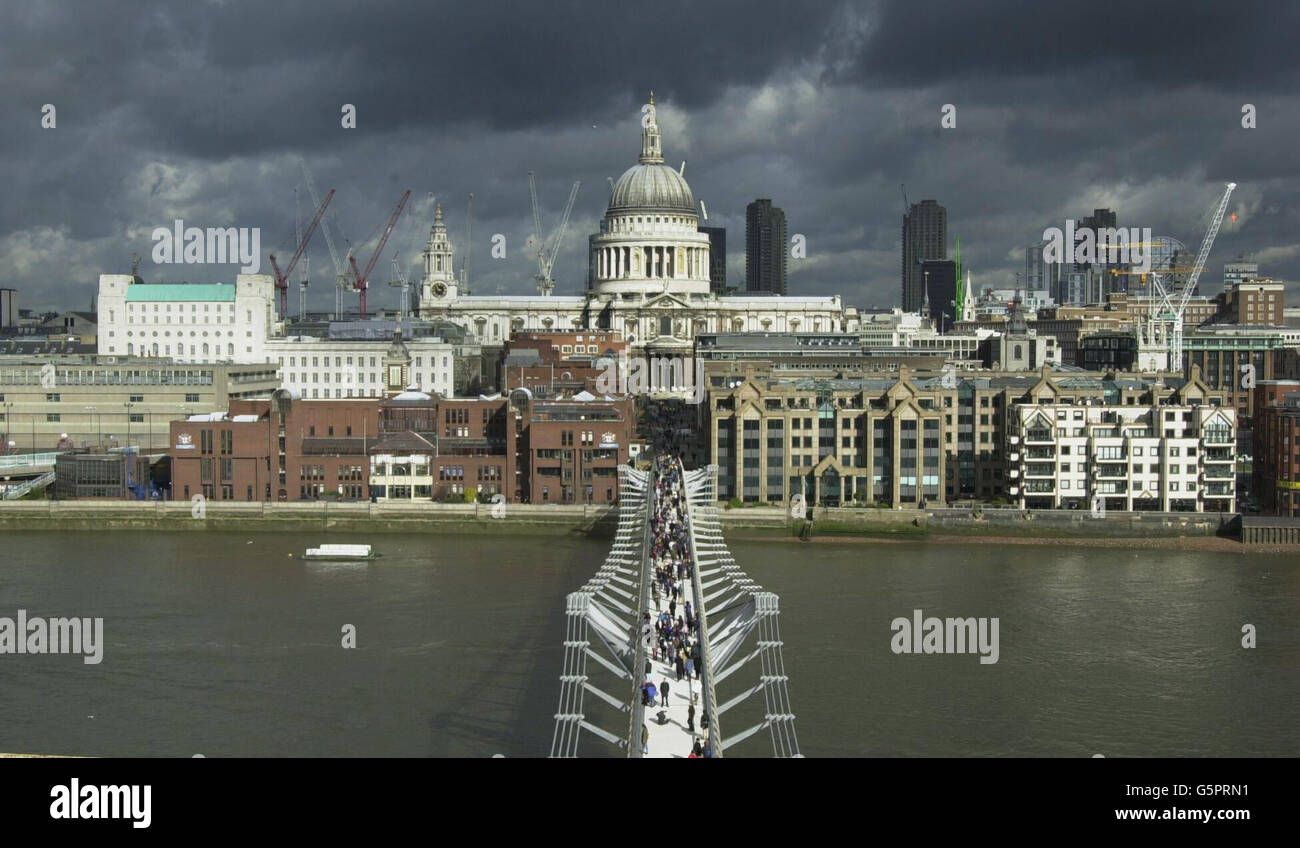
(666, 301)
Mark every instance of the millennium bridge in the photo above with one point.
(608, 648)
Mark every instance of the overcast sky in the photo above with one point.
(200, 110)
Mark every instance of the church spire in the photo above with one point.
(652, 151)
(968, 300)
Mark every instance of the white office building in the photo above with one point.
(187, 322)
(345, 359)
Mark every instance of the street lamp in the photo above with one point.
(128, 406)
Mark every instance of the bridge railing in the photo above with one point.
(608, 609)
(26, 460)
(13, 493)
(740, 608)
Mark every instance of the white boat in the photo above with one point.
(340, 552)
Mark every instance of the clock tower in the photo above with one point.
(439, 281)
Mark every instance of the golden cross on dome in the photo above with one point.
(652, 97)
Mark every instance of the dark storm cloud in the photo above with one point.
(1103, 43)
(200, 110)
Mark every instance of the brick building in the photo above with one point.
(451, 449)
(553, 364)
(1276, 459)
(284, 449)
(410, 447)
(570, 449)
(1258, 302)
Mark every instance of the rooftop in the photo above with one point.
(146, 292)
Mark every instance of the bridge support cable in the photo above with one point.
(738, 624)
(607, 608)
(733, 608)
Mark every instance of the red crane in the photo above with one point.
(361, 279)
(282, 279)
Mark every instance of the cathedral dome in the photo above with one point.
(651, 187)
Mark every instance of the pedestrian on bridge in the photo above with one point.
(663, 690)
(690, 719)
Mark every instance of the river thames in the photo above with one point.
(223, 644)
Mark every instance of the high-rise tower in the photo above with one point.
(925, 237)
(766, 247)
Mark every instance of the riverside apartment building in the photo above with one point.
(938, 438)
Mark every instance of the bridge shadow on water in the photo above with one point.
(506, 705)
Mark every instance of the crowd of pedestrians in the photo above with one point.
(670, 627)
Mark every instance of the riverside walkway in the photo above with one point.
(630, 628)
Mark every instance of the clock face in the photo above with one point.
(439, 289)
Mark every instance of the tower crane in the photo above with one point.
(361, 279)
(1176, 338)
(340, 266)
(282, 278)
(465, 266)
(304, 274)
(1164, 322)
(399, 279)
(549, 248)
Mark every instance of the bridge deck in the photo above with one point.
(668, 519)
(667, 725)
(672, 722)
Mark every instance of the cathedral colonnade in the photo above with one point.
(657, 262)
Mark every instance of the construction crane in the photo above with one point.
(340, 266)
(361, 279)
(304, 269)
(282, 278)
(469, 235)
(1164, 322)
(399, 278)
(548, 249)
